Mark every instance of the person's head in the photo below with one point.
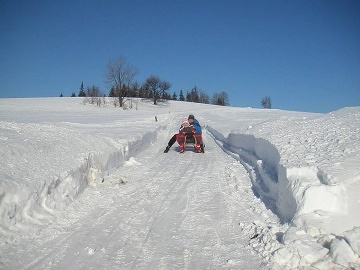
(186, 123)
(191, 118)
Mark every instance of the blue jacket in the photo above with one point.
(197, 126)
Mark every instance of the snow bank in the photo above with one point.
(48, 158)
(21, 201)
(303, 170)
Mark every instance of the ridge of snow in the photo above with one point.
(303, 192)
(21, 202)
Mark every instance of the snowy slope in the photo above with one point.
(89, 187)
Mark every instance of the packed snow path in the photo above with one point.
(158, 211)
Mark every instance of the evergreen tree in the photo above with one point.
(73, 94)
(133, 90)
(61, 95)
(112, 92)
(181, 96)
(188, 96)
(174, 96)
(194, 97)
(168, 96)
(82, 90)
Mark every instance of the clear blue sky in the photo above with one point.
(305, 55)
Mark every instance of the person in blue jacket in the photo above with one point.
(193, 122)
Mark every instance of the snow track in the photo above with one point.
(157, 211)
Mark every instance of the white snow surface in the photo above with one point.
(87, 187)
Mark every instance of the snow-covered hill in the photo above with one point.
(89, 187)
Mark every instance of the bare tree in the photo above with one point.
(266, 102)
(204, 98)
(120, 75)
(93, 95)
(156, 87)
(164, 86)
(221, 98)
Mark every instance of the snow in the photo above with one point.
(89, 187)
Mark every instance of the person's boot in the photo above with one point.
(198, 149)
(202, 148)
(167, 149)
(182, 148)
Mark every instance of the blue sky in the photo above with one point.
(304, 55)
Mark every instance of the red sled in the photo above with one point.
(190, 139)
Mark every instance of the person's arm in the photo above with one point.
(197, 126)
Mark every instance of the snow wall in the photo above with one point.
(290, 193)
(21, 203)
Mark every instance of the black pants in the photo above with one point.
(172, 140)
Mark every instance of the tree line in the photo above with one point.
(120, 76)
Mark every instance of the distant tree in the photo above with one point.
(61, 95)
(188, 96)
(194, 96)
(204, 98)
(82, 90)
(164, 87)
(221, 99)
(215, 99)
(144, 92)
(174, 96)
(141, 92)
(156, 87)
(93, 91)
(93, 94)
(266, 102)
(181, 96)
(134, 90)
(112, 92)
(73, 94)
(120, 75)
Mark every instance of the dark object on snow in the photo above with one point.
(168, 147)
